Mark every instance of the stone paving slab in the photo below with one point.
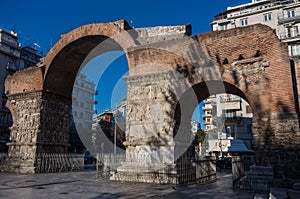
(83, 185)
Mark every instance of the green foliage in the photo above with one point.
(200, 137)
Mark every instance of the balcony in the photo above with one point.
(207, 108)
(206, 115)
(288, 17)
(207, 123)
(231, 98)
(288, 37)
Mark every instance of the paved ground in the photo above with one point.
(83, 185)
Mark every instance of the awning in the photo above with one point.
(238, 146)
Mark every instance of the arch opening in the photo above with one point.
(76, 73)
(72, 58)
(99, 114)
(228, 118)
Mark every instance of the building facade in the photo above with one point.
(82, 112)
(83, 102)
(227, 117)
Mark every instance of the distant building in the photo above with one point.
(12, 58)
(195, 127)
(28, 58)
(83, 102)
(82, 111)
(104, 120)
(112, 123)
(227, 117)
(120, 115)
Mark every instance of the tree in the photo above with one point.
(199, 137)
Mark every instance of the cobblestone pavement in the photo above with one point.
(83, 185)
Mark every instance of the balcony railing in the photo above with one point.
(205, 108)
(233, 118)
(229, 99)
(286, 36)
(287, 17)
(207, 115)
(248, 9)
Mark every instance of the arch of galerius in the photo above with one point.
(170, 72)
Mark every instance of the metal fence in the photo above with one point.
(143, 168)
(240, 167)
(3, 157)
(107, 163)
(54, 162)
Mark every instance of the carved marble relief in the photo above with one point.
(150, 106)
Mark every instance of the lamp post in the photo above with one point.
(115, 137)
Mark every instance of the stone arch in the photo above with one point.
(250, 60)
(190, 99)
(79, 46)
(188, 102)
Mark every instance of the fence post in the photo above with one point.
(97, 166)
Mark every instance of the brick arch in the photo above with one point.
(66, 57)
(253, 59)
(191, 98)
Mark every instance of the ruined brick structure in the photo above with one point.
(170, 72)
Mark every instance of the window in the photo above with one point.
(244, 22)
(268, 17)
(223, 27)
(81, 115)
(229, 114)
(81, 104)
(292, 31)
(295, 50)
(290, 13)
(230, 131)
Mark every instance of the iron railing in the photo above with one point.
(55, 162)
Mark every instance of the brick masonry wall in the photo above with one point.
(26, 80)
(274, 89)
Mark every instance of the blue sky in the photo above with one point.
(44, 21)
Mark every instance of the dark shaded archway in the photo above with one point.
(199, 92)
(188, 102)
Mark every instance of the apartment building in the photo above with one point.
(83, 102)
(81, 113)
(281, 15)
(227, 117)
